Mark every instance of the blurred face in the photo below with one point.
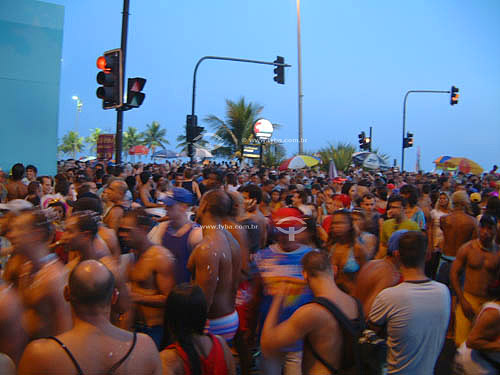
(113, 192)
(250, 204)
(72, 236)
(46, 186)
(275, 196)
(22, 234)
(358, 221)
(129, 233)
(395, 210)
(340, 225)
(30, 174)
(178, 180)
(353, 193)
(296, 199)
(59, 212)
(487, 234)
(368, 204)
(177, 211)
(443, 201)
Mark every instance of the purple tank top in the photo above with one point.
(179, 247)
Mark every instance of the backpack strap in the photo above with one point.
(345, 323)
(316, 355)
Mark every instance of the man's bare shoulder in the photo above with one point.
(160, 253)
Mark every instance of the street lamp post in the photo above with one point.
(79, 105)
(300, 77)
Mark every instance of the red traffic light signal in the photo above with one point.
(134, 95)
(110, 78)
(454, 95)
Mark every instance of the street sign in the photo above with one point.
(105, 146)
(251, 151)
(263, 129)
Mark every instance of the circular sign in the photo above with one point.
(263, 129)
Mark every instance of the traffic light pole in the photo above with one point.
(119, 112)
(404, 119)
(225, 59)
(371, 138)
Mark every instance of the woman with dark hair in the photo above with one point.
(193, 352)
(413, 212)
(347, 253)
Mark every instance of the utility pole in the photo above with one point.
(275, 63)
(404, 119)
(119, 111)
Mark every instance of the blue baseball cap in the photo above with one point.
(393, 243)
(178, 195)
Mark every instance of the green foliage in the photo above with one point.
(273, 154)
(72, 143)
(341, 154)
(131, 138)
(237, 127)
(91, 140)
(154, 136)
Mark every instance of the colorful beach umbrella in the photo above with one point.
(465, 165)
(298, 162)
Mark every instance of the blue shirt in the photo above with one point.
(276, 267)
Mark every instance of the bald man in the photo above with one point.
(216, 264)
(114, 194)
(94, 345)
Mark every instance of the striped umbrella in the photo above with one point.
(299, 161)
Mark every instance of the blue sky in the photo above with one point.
(358, 60)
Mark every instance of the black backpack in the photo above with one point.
(363, 353)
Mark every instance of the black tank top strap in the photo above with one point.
(119, 363)
(70, 355)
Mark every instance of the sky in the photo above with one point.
(359, 58)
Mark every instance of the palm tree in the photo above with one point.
(238, 126)
(341, 154)
(182, 141)
(71, 143)
(131, 138)
(273, 154)
(154, 136)
(91, 140)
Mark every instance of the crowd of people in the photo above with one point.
(219, 268)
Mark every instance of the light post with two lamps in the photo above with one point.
(79, 105)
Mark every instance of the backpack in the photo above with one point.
(363, 352)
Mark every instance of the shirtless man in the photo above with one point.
(253, 196)
(115, 195)
(96, 346)
(216, 264)
(379, 274)
(458, 228)
(481, 261)
(41, 280)
(13, 337)
(81, 237)
(311, 322)
(150, 272)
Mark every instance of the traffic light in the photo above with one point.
(279, 71)
(454, 95)
(193, 131)
(368, 144)
(361, 140)
(134, 95)
(408, 140)
(111, 79)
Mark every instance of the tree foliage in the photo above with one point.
(237, 126)
(91, 140)
(154, 136)
(71, 143)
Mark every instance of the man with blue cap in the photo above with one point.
(379, 274)
(179, 234)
